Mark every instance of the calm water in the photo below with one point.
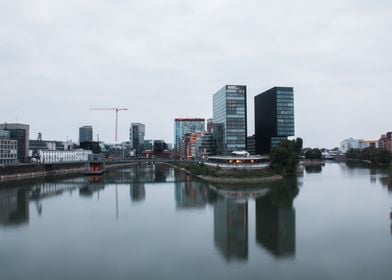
(157, 223)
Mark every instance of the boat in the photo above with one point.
(95, 165)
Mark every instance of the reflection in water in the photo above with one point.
(390, 216)
(231, 228)
(275, 219)
(191, 194)
(14, 207)
(386, 182)
(93, 184)
(313, 168)
(137, 191)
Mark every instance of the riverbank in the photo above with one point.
(234, 178)
(39, 170)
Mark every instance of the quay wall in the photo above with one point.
(36, 170)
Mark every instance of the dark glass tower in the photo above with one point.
(86, 134)
(274, 118)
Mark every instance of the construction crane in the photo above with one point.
(113, 109)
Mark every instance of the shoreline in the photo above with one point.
(230, 180)
(67, 169)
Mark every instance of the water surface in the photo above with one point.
(153, 222)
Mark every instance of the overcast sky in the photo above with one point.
(165, 59)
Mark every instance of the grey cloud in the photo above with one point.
(165, 59)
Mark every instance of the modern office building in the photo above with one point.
(20, 133)
(148, 145)
(251, 144)
(137, 132)
(274, 118)
(8, 148)
(183, 126)
(229, 119)
(205, 146)
(85, 134)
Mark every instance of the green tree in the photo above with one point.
(284, 158)
(313, 154)
(299, 145)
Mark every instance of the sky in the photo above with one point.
(165, 59)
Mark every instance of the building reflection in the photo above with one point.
(93, 184)
(191, 194)
(275, 219)
(231, 228)
(14, 207)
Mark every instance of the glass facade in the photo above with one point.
(183, 126)
(86, 134)
(136, 137)
(285, 112)
(274, 118)
(229, 119)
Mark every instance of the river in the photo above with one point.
(154, 222)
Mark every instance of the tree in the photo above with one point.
(284, 158)
(313, 154)
(299, 145)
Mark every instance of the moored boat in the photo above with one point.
(95, 165)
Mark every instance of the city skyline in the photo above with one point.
(164, 61)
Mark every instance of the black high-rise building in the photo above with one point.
(274, 118)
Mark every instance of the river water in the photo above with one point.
(154, 222)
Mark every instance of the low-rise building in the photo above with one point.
(385, 142)
(352, 143)
(48, 156)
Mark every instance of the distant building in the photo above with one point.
(205, 146)
(148, 145)
(137, 132)
(159, 146)
(183, 126)
(91, 146)
(20, 133)
(210, 126)
(86, 134)
(229, 119)
(63, 156)
(8, 148)
(274, 118)
(251, 144)
(352, 143)
(385, 142)
(189, 144)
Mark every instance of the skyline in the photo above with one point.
(166, 60)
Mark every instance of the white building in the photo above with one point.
(352, 143)
(47, 156)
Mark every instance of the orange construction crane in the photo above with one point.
(113, 109)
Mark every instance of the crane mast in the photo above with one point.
(116, 123)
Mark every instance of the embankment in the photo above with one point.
(37, 170)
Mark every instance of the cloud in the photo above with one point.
(165, 59)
